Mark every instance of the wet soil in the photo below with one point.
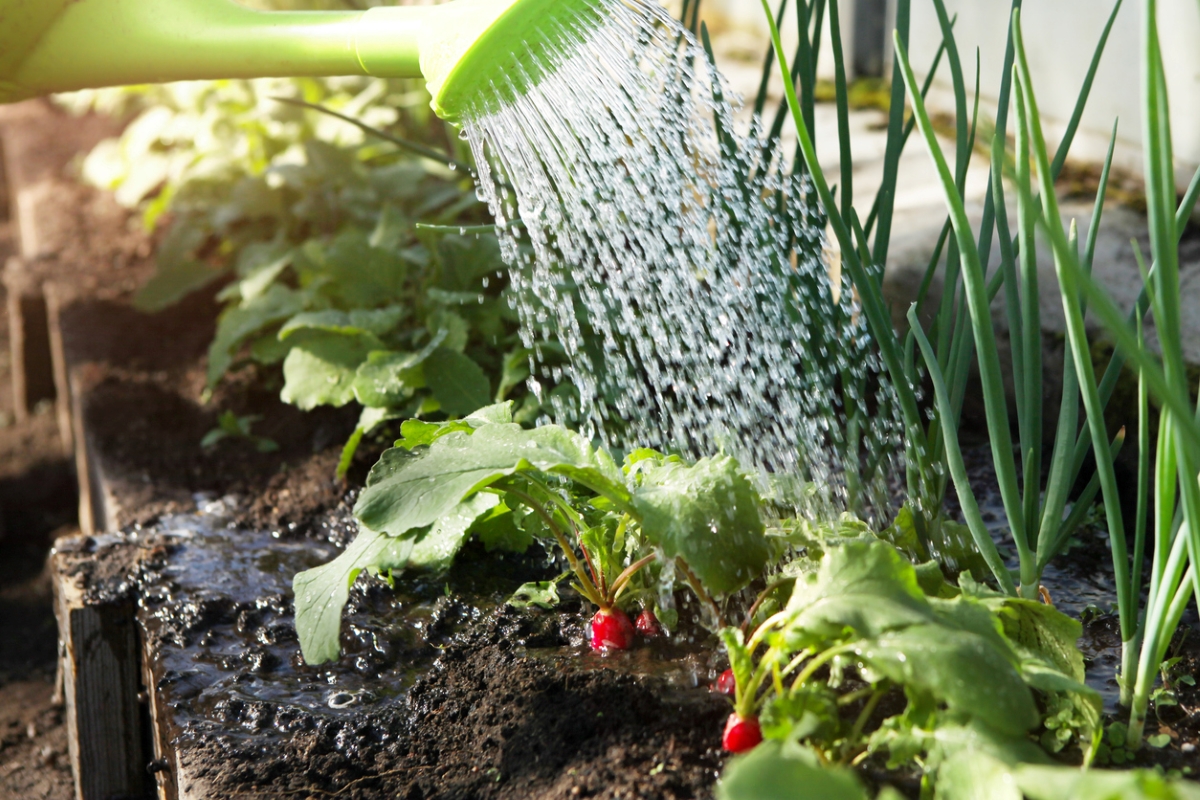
(442, 691)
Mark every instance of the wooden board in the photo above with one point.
(100, 673)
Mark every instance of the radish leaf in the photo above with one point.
(708, 515)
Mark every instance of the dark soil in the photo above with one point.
(147, 412)
(442, 691)
(490, 722)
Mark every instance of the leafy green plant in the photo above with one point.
(485, 475)
(231, 426)
(315, 215)
(865, 623)
(968, 767)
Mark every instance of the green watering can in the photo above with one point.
(459, 47)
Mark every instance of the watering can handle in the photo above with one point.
(62, 45)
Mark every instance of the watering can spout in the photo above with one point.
(63, 45)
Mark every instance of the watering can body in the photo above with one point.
(62, 45)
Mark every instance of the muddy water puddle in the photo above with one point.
(218, 614)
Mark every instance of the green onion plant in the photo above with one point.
(962, 329)
(1173, 492)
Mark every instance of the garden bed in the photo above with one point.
(443, 690)
(560, 722)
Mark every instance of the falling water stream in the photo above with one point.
(676, 260)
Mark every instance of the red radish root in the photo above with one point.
(611, 630)
(741, 734)
(647, 624)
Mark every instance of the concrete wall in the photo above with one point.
(1060, 36)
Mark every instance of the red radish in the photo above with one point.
(741, 734)
(647, 624)
(612, 630)
(726, 684)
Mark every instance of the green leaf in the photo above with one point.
(457, 382)
(962, 669)
(453, 330)
(408, 490)
(785, 771)
(415, 432)
(377, 321)
(1065, 783)
(388, 378)
(543, 594)
(237, 323)
(976, 776)
(320, 369)
(865, 586)
(1045, 632)
(500, 529)
(363, 276)
(708, 515)
(465, 259)
(392, 229)
(969, 614)
(321, 592)
(269, 350)
(808, 710)
(434, 550)
(975, 737)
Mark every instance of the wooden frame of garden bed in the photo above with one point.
(100, 659)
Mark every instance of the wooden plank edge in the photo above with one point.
(101, 688)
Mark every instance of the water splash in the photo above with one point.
(677, 260)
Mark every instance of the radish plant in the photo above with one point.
(446, 481)
(961, 660)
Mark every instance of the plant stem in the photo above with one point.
(762, 597)
(817, 663)
(865, 714)
(761, 631)
(538, 508)
(698, 587)
(627, 574)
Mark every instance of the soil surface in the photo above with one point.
(442, 691)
